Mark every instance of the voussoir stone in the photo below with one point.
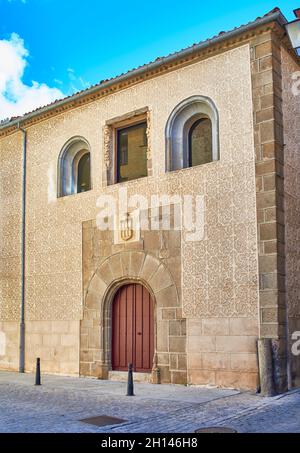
(150, 266)
(116, 266)
(98, 285)
(136, 262)
(105, 272)
(161, 279)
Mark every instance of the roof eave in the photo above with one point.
(277, 16)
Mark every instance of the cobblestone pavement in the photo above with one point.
(61, 402)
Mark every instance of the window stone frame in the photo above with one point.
(110, 143)
(177, 129)
(67, 172)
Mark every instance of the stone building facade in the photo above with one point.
(213, 296)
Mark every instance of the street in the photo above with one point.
(61, 403)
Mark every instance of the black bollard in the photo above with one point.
(130, 381)
(38, 372)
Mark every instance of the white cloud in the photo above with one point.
(76, 83)
(17, 98)
(22, 1)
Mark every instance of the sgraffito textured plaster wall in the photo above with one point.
(291, 113)
(219, 273)
(10, 248)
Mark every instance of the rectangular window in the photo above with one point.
(132, 152)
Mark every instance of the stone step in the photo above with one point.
(122, 376)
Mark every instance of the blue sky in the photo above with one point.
(73, 44)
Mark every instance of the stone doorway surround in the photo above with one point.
(125, 267)
(133, 329)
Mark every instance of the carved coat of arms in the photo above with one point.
(126, 228)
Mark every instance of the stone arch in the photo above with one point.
(67, 165)
(178, 125)
(115, 271)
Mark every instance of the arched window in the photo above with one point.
(192, 134)
(83, 174)
(200, 142)
(74, 172)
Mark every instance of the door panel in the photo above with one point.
(132, 329)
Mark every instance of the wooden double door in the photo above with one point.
(133, 329)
